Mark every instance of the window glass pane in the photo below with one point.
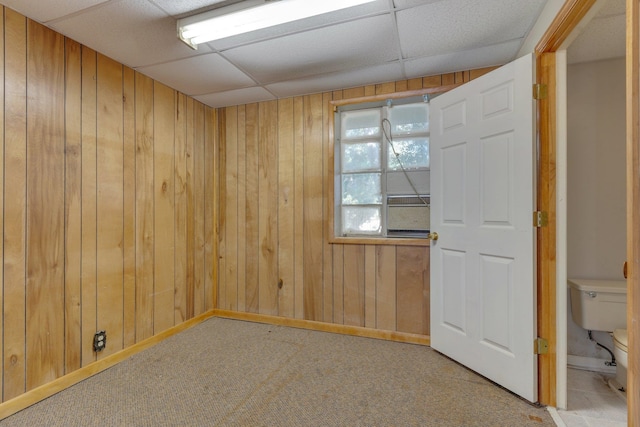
(413, 153)
(361, 189)
(361, 220)
(360, 124)
(362, 156)
(411, 118)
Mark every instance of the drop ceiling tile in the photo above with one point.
(235, 97)
(403, 4)
(454, 25)
(43, 11)
(182, 7)
(340, 80)
(199, 74)
(133, 32)
(461, 61)
(361, 43)
(604, 38)
(353, 13)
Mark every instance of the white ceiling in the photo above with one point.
(603, 37)
(386, 40)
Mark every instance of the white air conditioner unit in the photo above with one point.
(408, 216)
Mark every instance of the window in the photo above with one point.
(382, 170)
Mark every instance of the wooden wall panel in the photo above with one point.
(412, 289)
(190, 136)
(370, 286)
(15, 198)
(354, 285)
(180, 209)
(225, 116)
(229, 205)
(251, 208)
(144, 207)
(298, 192)
(164, 215)
(110, 203)
(198, 200)
(2, 156)
(211, 198)
(338, 284)
(45, 205)
(94, 157)
(73, 206)
(386, 286)
(129, 201)
(313, 208)
(89, 193)
(286, 209)
(241, 295)
(268, 208)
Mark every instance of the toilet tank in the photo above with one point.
(599, 305)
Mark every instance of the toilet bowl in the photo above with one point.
(620, 352)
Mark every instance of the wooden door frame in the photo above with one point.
(633, 209)
(565, 22)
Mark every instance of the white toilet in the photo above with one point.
(601, 305)
(620, 352)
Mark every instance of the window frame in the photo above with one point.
(361, 103)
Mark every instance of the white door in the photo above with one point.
(482, 192)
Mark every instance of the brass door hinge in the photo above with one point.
(540, 219)
(539, 91)
(540, 346)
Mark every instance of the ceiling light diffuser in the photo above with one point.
(249, 16)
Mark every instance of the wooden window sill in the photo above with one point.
(391, 241)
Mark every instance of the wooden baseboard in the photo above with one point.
(31, 397)
(326, 327)
(38, 394)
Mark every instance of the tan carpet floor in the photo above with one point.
(233, 373)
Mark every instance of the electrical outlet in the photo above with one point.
(99, 341)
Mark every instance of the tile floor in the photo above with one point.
(591, 402)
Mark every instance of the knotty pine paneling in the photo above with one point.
(109, 203)
(108, 187)
(88, 204)
(2, 197)
(45, 185)
(129, 206)
(275, 257)
(180, 198)
(286, 209)
(252, 211)
(312, 208)
(199, 294)
(164, 107)
(73, 204)
(210, 214)
(268, 207)
(15, 204)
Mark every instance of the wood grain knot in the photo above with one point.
(280, 284)
(13, 360)
(164, 187)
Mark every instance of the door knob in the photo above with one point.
(433, 236)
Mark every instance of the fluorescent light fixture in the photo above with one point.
(247, 16)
